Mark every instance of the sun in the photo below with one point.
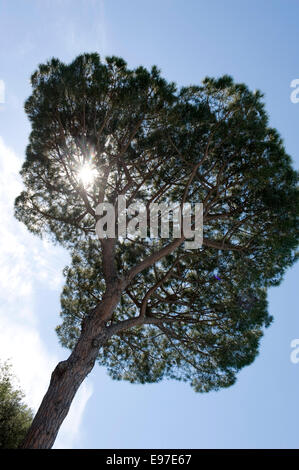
(86, 174)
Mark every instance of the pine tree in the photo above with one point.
(147, 308)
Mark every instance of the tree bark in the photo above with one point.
(68, 376)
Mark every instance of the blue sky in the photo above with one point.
(257, 43)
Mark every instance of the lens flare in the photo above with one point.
(86, 174)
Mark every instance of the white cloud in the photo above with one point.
(25, 262)
(32, 363)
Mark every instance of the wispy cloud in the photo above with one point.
(25, 263)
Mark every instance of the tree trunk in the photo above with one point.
(67, 378)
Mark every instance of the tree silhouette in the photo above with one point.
(149, 308)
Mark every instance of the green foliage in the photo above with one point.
(145, 139)
(15, 416)
(218, 323)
